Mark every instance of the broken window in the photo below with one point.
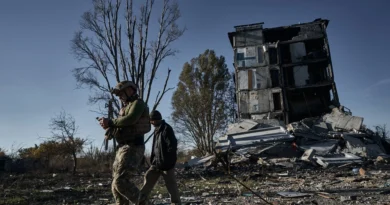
(295, 32)
(313, 49)
(297, 52)
(310, 74)
(260, 55)
(273, 55)
(280, 34)
(285, 54)
(301, 75)
(293, 53)
(277, 101)
(274, 78)
(308, 102)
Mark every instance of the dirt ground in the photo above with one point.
(200, 186)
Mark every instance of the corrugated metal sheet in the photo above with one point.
(321, 147)
(241, 126)
(254, 137)
(337, 159)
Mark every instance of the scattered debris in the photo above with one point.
(293, 194)
(278, 156)
(348, 198)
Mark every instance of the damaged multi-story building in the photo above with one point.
(283, 73)
(288, 103)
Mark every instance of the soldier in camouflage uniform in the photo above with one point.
(128, 129)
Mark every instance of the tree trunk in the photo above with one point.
(74, 162)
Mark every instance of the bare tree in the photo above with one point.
(382, 131)
(116, 49)
(64, 129)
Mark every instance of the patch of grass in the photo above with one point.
(13, 201)
(42, 196)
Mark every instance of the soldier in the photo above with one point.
(163, 159)
(128, 129)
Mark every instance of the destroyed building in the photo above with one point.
(287, 100)
(283, 73)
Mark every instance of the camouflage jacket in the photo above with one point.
(132, 123)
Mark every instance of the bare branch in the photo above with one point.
(164, 90)
(112, 50)
(170, 14)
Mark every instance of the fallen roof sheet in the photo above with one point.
(336, 159)
(241, 126)
(254, 137)
(321, 148)
(199, 161)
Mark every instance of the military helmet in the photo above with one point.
(122, 85)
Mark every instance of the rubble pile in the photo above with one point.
(328, 159)
(333, 139)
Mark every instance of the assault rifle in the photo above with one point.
(109, 132)
(108, 136)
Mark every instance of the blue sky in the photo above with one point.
(36, 62)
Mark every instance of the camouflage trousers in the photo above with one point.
(127, 162)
